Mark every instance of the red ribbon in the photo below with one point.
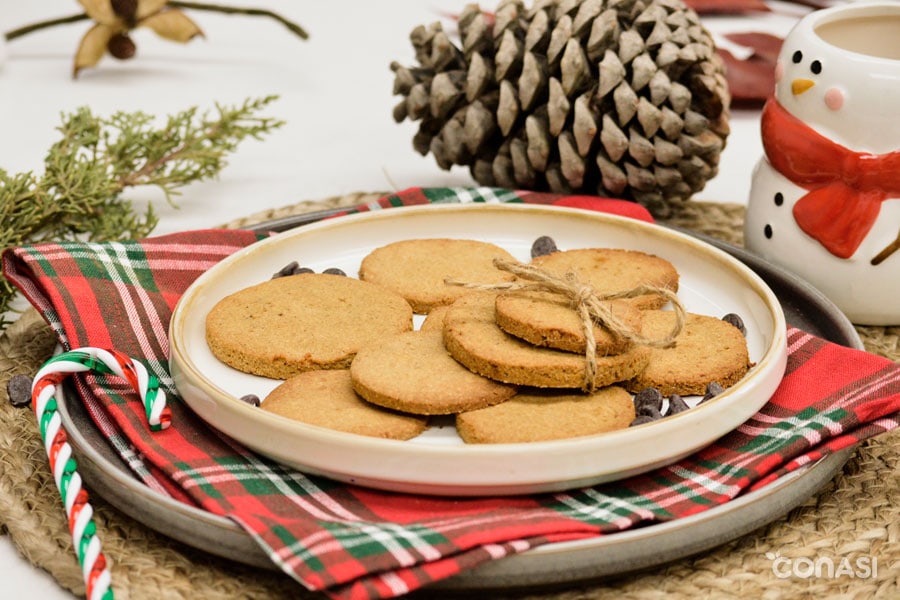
(845, 188)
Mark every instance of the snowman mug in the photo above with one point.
(825, 198)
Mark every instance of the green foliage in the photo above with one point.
(80, 194)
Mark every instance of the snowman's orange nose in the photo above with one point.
(798, 86)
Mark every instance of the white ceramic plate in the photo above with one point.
(712, 282)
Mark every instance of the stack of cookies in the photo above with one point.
(510, 362)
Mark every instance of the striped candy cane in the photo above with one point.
(93, 563)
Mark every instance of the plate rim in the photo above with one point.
(190, 378)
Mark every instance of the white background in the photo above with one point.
(335, 97)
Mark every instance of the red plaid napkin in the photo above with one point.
(359, 543)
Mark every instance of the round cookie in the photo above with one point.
(304, 322)
(327, 399)
(540, 416)
(546, 319)
(473, 338)
(412, 372)
(613, 270)
(416, 269)
(707, 350)
(434, 321)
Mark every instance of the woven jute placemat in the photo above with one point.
(856, 515)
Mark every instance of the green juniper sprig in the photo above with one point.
(80, 194)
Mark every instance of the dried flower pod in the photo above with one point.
(121, 46)
(125, 10)
(114, 19)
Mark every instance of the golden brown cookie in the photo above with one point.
(412, 372)
(435, 319)
(707, 350)
(546, 319)
(416, 269)
(473, 338)
(612, 270)
(283, 326)
(327, 399)
(539, 416)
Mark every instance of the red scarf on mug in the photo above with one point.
(845, 188)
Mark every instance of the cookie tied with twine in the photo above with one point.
(592, 308)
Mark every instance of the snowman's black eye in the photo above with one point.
(797, 57)
(815, 67)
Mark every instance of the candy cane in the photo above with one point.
(93, 563)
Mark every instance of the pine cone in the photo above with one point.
(622, 98)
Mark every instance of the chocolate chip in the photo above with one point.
(641, 419)
(649, 411)
(292, 268)
(251, 399)
(334, 271)
(19, 390)
(286, 270)
(713, 389)
(543, 246)
(648, 401)
(737, 321)
(676, 405)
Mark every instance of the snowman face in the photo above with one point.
(833, 96)
(813, 88)
(842, 77)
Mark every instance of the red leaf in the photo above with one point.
(764, 45)
(727, 7)
(750, 81)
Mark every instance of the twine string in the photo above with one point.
(591, 307)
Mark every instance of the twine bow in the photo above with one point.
(590, 306)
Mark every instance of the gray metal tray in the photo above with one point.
(562, 563)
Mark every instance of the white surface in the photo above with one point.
(710, 283)
(336, 98)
